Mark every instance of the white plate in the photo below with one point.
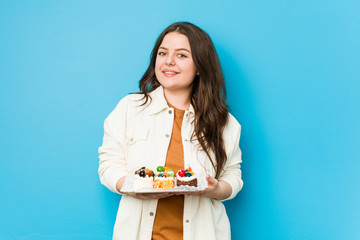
(127, 187)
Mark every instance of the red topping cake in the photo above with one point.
(186, 177)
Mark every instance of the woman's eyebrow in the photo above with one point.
(177, 49)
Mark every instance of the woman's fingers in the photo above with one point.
(210, 191)
(212, 182)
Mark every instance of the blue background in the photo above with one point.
(292, 73)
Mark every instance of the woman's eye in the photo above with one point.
(161, 53)
(182, 55)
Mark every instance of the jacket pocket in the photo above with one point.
(137, 147)
(137, 135)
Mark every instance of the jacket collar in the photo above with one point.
(158, 102)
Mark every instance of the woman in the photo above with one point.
(179, 118)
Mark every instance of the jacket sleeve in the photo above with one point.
(112, 153)
(232, 171)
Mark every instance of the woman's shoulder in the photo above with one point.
(131, 100)
(232, 129)
(132, 97)
(232, 122)
(129, 105)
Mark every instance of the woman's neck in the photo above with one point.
(179, 99)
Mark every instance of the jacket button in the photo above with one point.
(170, 112)
(187, 221)
(167, 135)
(151, 214)
(186, 115)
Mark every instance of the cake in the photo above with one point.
(144, 178)
(186, 177)
(164, 178)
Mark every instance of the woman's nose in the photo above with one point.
(170, 60)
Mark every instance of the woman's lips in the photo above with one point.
(169, 73)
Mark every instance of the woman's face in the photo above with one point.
(174, 66)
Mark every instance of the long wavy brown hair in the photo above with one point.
(208, 94)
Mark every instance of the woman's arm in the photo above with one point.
(113, 164)
(232, 169)
(229, 182)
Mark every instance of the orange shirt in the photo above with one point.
(169, 214)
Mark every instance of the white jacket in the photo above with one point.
(137, 136)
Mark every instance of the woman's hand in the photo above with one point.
(216, 189)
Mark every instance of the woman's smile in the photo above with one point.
(169, 73)
(174, 67)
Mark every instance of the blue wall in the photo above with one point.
(292, 72)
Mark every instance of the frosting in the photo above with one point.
(185, 178)
(142, 182)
